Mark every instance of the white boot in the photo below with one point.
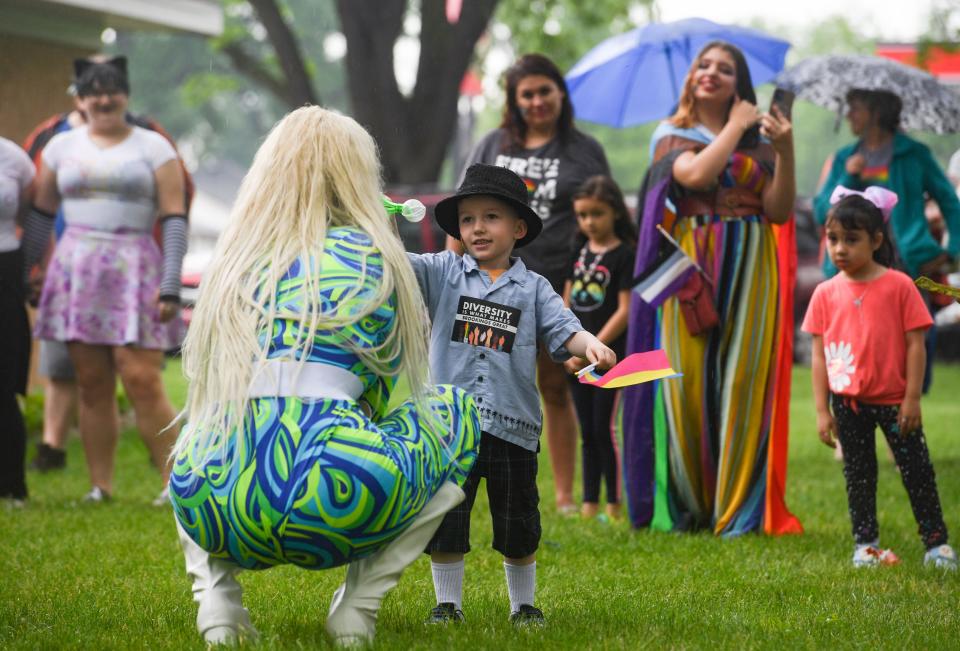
(353, 612)
(221, 617)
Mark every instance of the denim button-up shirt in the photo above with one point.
(484, 337)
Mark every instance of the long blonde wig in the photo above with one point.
(316, 170)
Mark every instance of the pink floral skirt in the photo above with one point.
(101, 288)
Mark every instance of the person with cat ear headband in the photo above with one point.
(59, 386)
(108, 290)
(99, 72)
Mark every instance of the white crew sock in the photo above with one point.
(448, 582)
(521, 584)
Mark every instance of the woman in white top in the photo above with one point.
(16, 174)
(109, 292)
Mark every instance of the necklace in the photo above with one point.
(858, 300)
(597, 257)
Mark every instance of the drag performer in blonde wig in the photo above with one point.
(308, 316)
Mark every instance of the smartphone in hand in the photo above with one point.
(783, 100)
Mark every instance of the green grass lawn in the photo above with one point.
(75, 576)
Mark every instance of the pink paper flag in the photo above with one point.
(633, 369)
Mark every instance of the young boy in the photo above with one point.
(489, 314)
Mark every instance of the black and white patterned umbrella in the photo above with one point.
(928, 105)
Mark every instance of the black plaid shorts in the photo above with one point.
(511, 474)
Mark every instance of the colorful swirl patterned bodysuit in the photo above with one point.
(318, 483)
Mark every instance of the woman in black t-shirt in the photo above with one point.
(597, 289)
(538, 140)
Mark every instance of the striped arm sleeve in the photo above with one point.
(36, 237)
(174, 230)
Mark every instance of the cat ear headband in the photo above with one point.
(882, 198)
(80, 66)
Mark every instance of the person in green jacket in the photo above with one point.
(885, 156)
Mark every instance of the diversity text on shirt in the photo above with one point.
(487, 324)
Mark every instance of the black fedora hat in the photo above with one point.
(496, 182)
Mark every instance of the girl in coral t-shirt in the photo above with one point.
(868, 324)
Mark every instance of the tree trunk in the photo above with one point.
(298, 86)
(413, 133)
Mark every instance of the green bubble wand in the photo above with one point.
(412, 210)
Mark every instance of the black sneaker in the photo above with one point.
(48, 458)
(528, 616)
(445, 613)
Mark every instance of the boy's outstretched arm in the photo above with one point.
(826, 426)
(583, 344)
(431, 270)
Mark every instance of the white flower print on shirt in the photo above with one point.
(839, 365)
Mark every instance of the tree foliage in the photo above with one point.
(194, 86)
(271, 59)
(413, 129)
(566, 29)
(220, 96)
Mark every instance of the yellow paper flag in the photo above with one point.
(925, 283)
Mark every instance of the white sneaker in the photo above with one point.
(871, 555)
(943, 557)
(96, 496)
(163, 499)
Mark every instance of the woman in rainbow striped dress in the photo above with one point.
(292, 453)
(708, 450)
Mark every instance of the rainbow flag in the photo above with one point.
(925, 283)
(633, 369)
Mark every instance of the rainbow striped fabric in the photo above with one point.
(633, 369)
(710, 449)
(876, 174)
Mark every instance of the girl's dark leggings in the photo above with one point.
(13, 436)
(595, 411)
(856, 424)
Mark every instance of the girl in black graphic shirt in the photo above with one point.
(598, 291)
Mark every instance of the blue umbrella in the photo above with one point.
(637, 76)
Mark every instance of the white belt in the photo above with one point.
(138, 220)
(289, 379)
